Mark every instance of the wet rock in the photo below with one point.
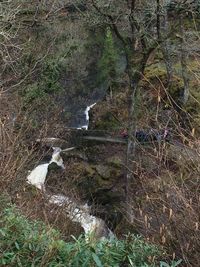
(108, 172)
(53, 166)
(76, 154)
(115, 161)
(73, 8)
(106, 205)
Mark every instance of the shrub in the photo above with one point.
(33, 92)
(50, 76)
(26, 243)
(48, 82)
(108, 61)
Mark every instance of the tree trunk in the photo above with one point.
(130, 152)
(165, 47)
(135, 76)
(185, 75)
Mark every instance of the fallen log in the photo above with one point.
(105, 139)
(52, 141)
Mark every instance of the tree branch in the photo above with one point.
(158, 19)
(112, 21)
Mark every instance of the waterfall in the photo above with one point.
(76, 213)
(38, 175)
(87, 117)
(80, 214)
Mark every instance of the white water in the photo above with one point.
(83, 123)
(86, 112)
(80, 214)
(77, 213)
(56, 158)
(38, 175)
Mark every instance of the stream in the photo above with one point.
(77, 108)
(88, 92)
(76, 213)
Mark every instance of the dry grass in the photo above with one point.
(19, 153)
(164, 203)
(165, 199)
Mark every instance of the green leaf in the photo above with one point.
(17, 245)
(130, 261)
(2, 232)
(97, 260)
(164, 264)
(176, 263)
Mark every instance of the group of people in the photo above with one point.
(144, 136)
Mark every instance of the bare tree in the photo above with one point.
(137, 25)
(165, 46)
(9, 49)
(183, 56)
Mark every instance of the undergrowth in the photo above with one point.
(32, 243)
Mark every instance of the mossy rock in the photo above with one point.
(87, 178)
(120, 99)
(84, 169)
(155, 71)
(106, 122)
(114, 161)
(90, 178)
(108, 173)
(176, 87)
(155, 78)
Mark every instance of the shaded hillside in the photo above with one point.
(139, 60)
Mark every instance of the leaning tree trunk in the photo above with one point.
(165, 48)
(130, 152)
(183, 55)
(135, 75)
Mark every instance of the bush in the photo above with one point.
(108, 61)
(33, 92)
(48, 82)
(25, 243)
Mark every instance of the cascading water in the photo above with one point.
(76, 113)
(87, 117)
(77, 213)
(38, 176)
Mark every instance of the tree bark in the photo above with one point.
(135, 76)
(183, 52)
(165, 48)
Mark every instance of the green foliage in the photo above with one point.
(32, 92)
(23, 242)
(107, 63)
(50, 76)
(47, 84)
(26, 243)
(173, 263)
